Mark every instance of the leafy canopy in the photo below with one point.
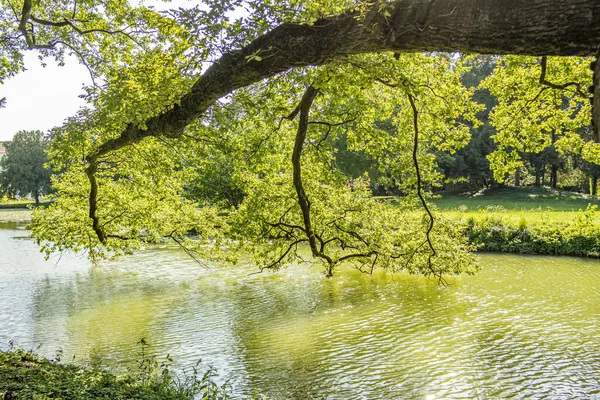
(123, 188)
(541, 102)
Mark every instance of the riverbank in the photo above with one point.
(510, 220)
(527, 221)
(21, 204)
(577, 236)
(25, 375)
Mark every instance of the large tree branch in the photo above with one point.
(419, 187)
(303, 201)
(528, 27)
(25, 14)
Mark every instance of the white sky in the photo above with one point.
(41, 98)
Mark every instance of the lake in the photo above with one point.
(524, 327)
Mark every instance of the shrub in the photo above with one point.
(25, 375)
(580, 237)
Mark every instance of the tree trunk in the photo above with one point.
(518, 177)
(553, 176)
(594, 185)
(554, 160)
(544, 177)
(537, 175)
(36, 195)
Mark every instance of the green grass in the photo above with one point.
(527, 220)
(516, 216)
(516, 205)
(516, 199)
(15, 216)
(15, 204)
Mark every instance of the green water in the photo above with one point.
(524, 327)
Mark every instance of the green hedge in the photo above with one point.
(580, 237)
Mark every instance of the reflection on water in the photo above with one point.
(524, 326)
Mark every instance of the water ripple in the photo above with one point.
(523, 328)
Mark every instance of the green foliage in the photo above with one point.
(29, 376)
(470, 164)
(216, 184)
(244, 148)
(527, 220)
(227, 178)
(22, 169)
(354, 164)
(140, 205)
(540, 103)
(579, 237)
(350, 225)
(101, 36)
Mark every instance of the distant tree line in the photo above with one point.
(23, 169)
(469, 168)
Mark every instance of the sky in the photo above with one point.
(41, 98)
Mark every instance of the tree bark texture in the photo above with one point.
(553, 176)
(303, 200)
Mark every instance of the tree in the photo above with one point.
(543, 106)
(155, 107)
(451, 27)
(216, 183)
(470, 162)
(22, 170)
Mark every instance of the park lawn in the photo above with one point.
(524, 217)
(517, 205)
(20, 216)
(23, 203)
(516, 199)
(527, 220)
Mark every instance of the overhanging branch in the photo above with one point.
(415, 151)
(552, 85)
(528, 27)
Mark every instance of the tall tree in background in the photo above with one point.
(22, 169)
(542, 106)
(469, 165)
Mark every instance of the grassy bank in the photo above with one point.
(25, 375)
(516, 199)
(13, 205)
(20, 216)
(527, 220)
